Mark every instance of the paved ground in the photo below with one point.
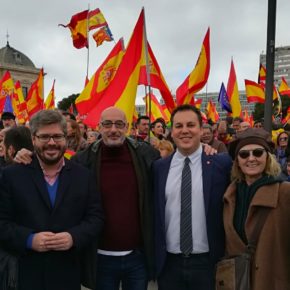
(152, 286)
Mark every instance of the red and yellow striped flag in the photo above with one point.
(34, 98)
(122, 91)
(284, 89)
(255, 92)
(233, 92)
(211, 112)
(197, 79)
(49, 103)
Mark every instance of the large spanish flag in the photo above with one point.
(122, 91)
(156, 79)
(255, 92)
(100, 81)
(197, 79)
(233, 92)
(6, 88)
(284, 89)
(34, 98)
(49, 103)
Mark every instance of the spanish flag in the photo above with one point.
(6, 88)
(156, 79)
(211, 112)
(197, 79)
(284, 89)
(34, 98)
(233, 92)
(103, 34)
(122, 90)
(100, 81)
(20, 104)
(262, 75)
(255, 92)
(49, 103)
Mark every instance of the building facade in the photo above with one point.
(21, 68)
(281, 64)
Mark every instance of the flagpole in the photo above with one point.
(88, 42)
(147, 70)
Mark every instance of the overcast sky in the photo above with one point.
(175, 30)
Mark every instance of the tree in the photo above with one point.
(65, 103)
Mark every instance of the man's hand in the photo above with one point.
(39, 239)
(23, 156)
(59, 242)
(208, 150)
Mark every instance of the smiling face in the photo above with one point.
(186, 132)
(252, 166)
(49, 152)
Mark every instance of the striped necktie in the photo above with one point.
(185, 214)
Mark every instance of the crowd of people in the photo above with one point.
(123, 204)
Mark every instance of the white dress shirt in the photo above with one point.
(173, 204)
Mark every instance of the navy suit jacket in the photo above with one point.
(216, 177)
(25, 208)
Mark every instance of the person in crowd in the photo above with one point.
(50, 211)
(126, 248)
(165, 148)
(280, 152)
(158, 128)
(244, 126)
(222, 133)
(237, 123)
(188, 190)
(142, 126)
(255, 188)
(69, 116)
(8, 119)
(2, 147)
(83, 129)
(15, 139)
(154, 142)
(75, 141)
(208, 138)
(259, 123)
(92, 136)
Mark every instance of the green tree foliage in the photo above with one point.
(65, 103)
(259, 108)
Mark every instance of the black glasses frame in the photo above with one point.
(46, 138)
(109, 124)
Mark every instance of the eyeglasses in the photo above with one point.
(283, 139)
(258, 152)
(44, 138)
(109, 124)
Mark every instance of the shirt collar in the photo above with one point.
(194, 156)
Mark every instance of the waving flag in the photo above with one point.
(96, 19)
(197, 103)
(34, 98)
(49, 103)
(156, 109)
(233, 92)
(6, 88)
(19, 104)
(156, 79)
(100, 81)
(197, 79)
(103, 34)
(255, 92)
(8, 105)
(284, 89)
(211, 112)
(122, 90)
(224, 99)
(262, 75)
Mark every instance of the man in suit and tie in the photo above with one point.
(188, 188)
(49, 210)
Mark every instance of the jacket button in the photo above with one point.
(257, 267)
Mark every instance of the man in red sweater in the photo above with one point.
(123, 168)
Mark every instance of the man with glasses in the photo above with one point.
(122, 169)
(49, 210)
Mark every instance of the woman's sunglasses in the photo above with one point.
(258, 152)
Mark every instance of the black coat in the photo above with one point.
(143, 155)
(25, 208)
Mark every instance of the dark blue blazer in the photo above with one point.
(216, 177)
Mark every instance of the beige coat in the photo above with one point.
(271, 264)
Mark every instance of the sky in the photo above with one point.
(175, 30)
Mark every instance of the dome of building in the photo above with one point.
(9, 55)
